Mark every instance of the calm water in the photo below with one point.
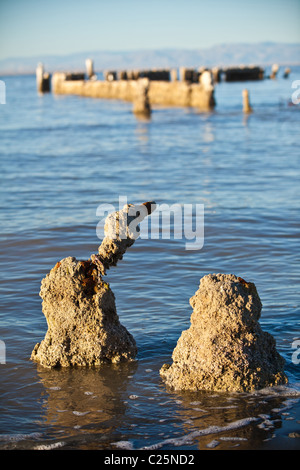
(63, 156)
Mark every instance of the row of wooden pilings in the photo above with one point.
(203, 76)
(229, 74)
(165, 75)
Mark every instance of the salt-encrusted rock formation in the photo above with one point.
(83, 325)
(225, 348)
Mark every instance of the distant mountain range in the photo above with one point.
(263, 54)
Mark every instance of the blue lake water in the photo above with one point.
(62, 157)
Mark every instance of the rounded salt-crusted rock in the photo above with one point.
(225, 347)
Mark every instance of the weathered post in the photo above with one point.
(206, 79)
(141, 104)
(39, 76)
(122, 75)
(275, 68)
(89, 64)
(42, 79)
(173, 75)
(216, 72)
(182, 72)
(246, 102)
(111, 76)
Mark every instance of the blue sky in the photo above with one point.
(39, 27)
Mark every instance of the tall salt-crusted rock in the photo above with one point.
(225, 347)
(79, 306)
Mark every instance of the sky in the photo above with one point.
(31, 28)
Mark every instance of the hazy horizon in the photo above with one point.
(156, 49)
(222, 55)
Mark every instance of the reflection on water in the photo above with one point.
(85, 400)
(127, 406)
(208, 133)
(229, 420)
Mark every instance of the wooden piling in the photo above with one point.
(274, 71)
(141, 104)
(42, 79)
(246, 102)
(173, 75)
(89, 64)
(216, 72)
(122, 75)
(206, 80)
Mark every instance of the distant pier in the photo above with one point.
(183, 87)
(164, 88)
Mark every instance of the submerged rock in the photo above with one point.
(83, 325)
(225, 348)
